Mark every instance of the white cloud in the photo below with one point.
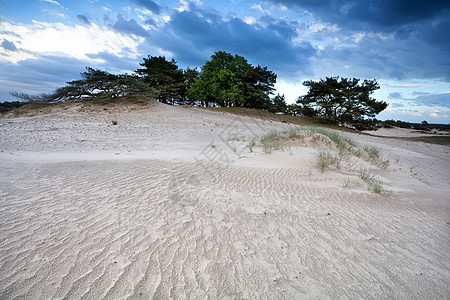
(438, 114)
(357, 38)
(316, 27)
(52, 12)
(163, 52)
(260, 9)
(51, 1)
(107, 9)
(144, 12)
(184, 4)
(291, 90)
(41, 38)
(127, 9)
(250, 20)
(409, 112)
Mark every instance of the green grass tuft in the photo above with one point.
(251, 144)
(373, 152)
(325, 159)
(366, 175)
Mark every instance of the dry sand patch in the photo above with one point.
(92, 210)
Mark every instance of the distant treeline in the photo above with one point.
(7, 106)
(424, 125)
(225, 80)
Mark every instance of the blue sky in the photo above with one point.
(404, 45)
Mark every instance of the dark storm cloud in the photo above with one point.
(35, 76)
(382, 13)
(194, 35)
(84, 20)
(420, 31)
(285, 29)
(7, 45)
(151, 22)
(125, 26)
(47, 68)
(384, 57)
(150, 5)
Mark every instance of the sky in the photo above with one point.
(404, 45)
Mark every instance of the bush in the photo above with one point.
(8, 106)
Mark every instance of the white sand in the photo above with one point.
(161, 206)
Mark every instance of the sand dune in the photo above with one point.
(163, 206)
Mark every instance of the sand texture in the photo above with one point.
(169, 205)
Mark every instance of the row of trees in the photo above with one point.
(225, 80)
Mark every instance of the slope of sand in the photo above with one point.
(170, 204)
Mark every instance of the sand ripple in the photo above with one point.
(154, 229)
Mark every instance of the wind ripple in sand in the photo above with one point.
(132, 229)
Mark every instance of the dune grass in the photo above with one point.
(373, 184)
(276, 140)
(326, 158)
(251, 144)
(334, 151)
(272, 141)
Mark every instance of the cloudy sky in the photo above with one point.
(404, 45)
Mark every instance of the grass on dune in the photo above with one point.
(334, 151)
(276, 140)
(316, 122)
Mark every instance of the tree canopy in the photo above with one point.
(165, 77)
(278, 104)
(342, 100)
(229, 80)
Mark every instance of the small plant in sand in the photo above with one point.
(373, 184)
(251, 144)
(271, 141)
(294, 133)
(325, 159)
(346, 183)
(114, 122)
(377, 186)
(374, 152)
(366, 175)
